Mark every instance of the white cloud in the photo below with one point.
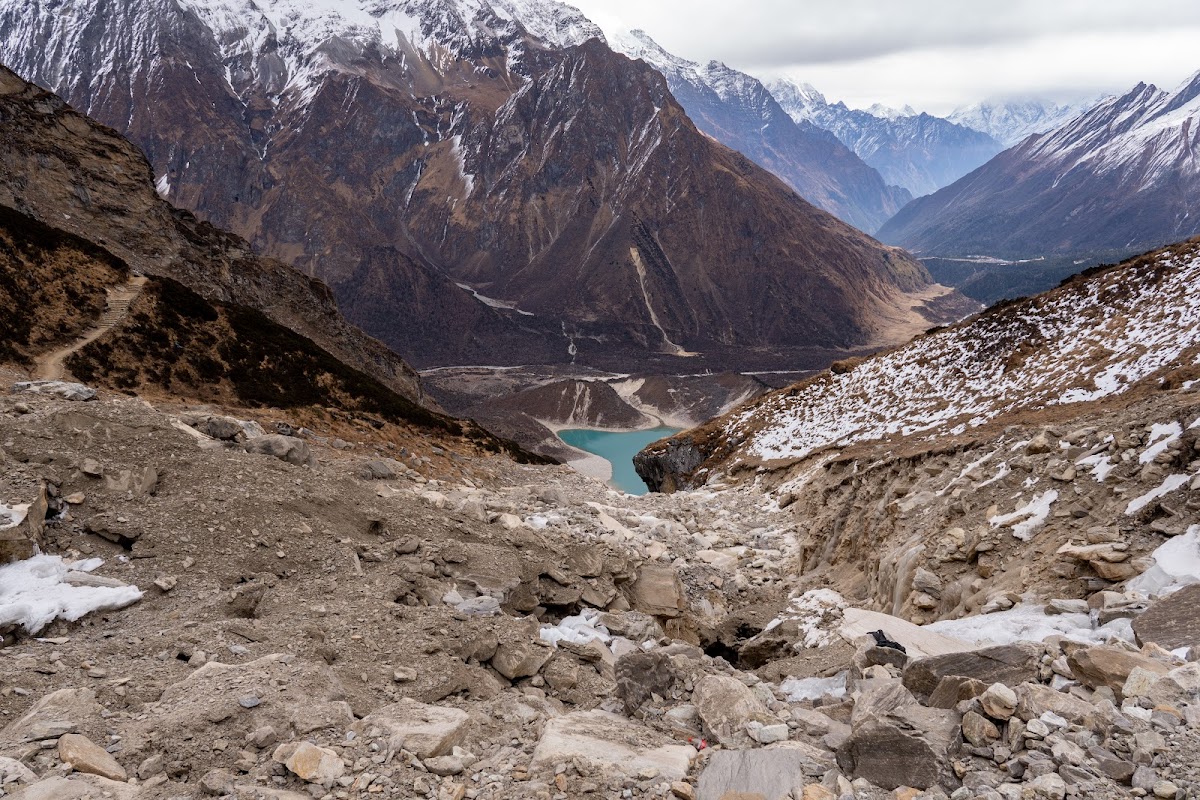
(932, 54)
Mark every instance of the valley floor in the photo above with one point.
(392, 617)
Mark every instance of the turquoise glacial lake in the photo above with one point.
(617, 449)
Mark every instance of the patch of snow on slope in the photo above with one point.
(12, 516)
(35, 592)
(1028, 518)
(1170, 484)
(579, 629)
(797, 690)
(1030, 623)
(1161, 437)
(1101, 465)
(1176, 564)
(1089, 341)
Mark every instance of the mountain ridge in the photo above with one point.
(1121, 176)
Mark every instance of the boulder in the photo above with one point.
(1035, 699)
(894, 741)
(611, 745)
(725, 705)
(520, 658)
(658, 591)
(84, 755)
(285, 448)
(62, 389)
(640, 675)
(999, 702)
(427, 731)
(1178, 687)
(78, 787)
(1171, 622)
(1009, 664)
(1109, 666)
(21, 529)
(63, 711)
(775, 773)
(310, 763)
(380, 470)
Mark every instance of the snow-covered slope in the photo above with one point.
(1122, 176)
(920, 152)
(1012, 122)
(739, 111)
(1093, 339)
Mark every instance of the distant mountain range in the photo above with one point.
(403, 150)
(1012, 122)
(739, 111)
(1123, 176)
(920, 152)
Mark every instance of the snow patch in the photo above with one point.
(815, 613)
(35, 592)
(1101, 465)
(580, 629)
(12, 516)
(1030, 623)
(1176, 564)
(1161, 437)
(798, 690)
(1029, 517)
(1170, 484)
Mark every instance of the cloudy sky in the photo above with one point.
(932, 54)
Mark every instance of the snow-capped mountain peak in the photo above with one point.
(1011, 122)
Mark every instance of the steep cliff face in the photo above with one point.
(739, 111)
(80, 177)
(403, 152)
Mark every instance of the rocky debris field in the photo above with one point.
(231, 603)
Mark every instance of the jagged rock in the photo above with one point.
(380, 470)
(725, 705)
(217, 782)
(86, 756)
(894, 741)
(78, 787)
(778, 773)
(226, 429)
(310, 763)
(1178, 687)
(520, 658)
(610, 744)
(1109, 666)
(285, 448)
(1009, 664)
(52, 716)
(13, 773)
(1035, 699)
(658, 591)
(642, 674)
(315, 716)
(999, 702)
(24, 539)
(1171, 622)
(953, 689)
(427, 731)
(979, 730)
(1041, 444)
(62, 389)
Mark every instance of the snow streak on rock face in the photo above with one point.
(1010, 123)
(1084, 342)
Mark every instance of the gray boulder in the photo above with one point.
(894, 741)
(285, 448)
(643, 674)
(62, 389)
(1172, 622)
(1009, 664)
(778, 773)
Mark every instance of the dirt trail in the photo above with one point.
(50, 365)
